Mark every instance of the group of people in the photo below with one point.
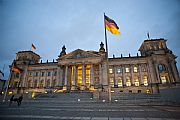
(18, 100)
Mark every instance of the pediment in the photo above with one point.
(78, 54)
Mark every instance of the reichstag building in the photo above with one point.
(154, 69)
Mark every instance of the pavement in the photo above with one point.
(58, 109)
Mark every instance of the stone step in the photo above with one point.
(87, 95)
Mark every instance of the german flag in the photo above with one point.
(16, 69)
(111, 25)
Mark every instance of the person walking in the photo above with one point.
(11, 100)
(20, 100)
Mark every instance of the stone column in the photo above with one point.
(132, 75)
(100, 74)
(83, 77)
(115, 75)
(66, 78)
(149, 80)
(104, 77)
(123, 76)
(44, 85)
(24, 78)
(39, 79)
(153, 75)
(52, 76)
(157, 72)
(170, 73)
(73, 87)
(91, 77)
(152, 71)
(59, 76)
(175, 71)
(141, 81)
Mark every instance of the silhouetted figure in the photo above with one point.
(16, 100)
(11, 100)
(20, 100)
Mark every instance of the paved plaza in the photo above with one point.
(84, 109)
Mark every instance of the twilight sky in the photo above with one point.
(50, 24)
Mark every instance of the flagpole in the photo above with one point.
(105, 37)
(107, 61)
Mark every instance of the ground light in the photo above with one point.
(33, 95)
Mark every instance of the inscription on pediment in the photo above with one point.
(80, 54)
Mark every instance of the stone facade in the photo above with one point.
(82, 70)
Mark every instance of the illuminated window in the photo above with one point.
(120, 83)
(163, 79)
(127, 69)
(87, 75)
(119, 70)
(145, 79)
(128, 81)
(110, 70)
(135, 69)
(136, 81)
(148, 91)
(112, 82)
(79, 76)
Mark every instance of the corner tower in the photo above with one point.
(161, 60)
(27, 57)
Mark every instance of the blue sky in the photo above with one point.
(50, 24)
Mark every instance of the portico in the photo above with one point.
(78, 67)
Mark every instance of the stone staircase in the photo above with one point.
(137, 98)
(72, 96)
(133, 96)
